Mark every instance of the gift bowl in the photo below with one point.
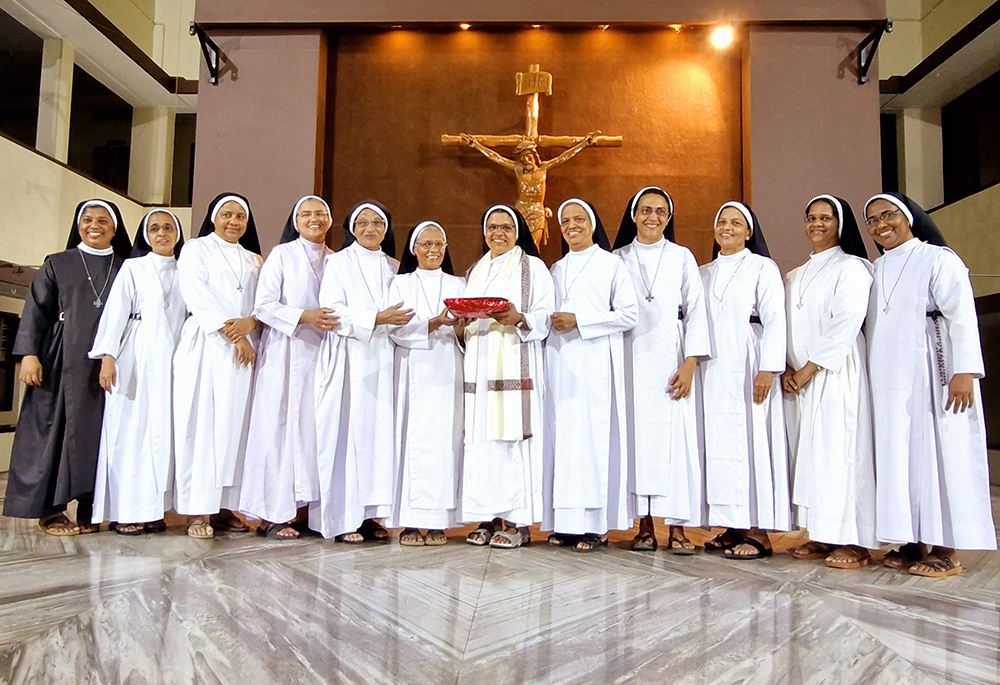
(475, 307)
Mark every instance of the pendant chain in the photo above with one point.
(98, 297)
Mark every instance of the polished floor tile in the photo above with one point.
(165, 608)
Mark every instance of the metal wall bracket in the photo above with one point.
(867, 48)
(210, 50)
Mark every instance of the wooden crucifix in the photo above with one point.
(528, 167)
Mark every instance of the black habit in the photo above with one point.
(54, 457)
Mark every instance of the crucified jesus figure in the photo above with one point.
(530, 172)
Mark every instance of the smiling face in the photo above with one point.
(652, 214)
(731, 231)
(429, 249)
(501, 233)
(231, 222)
(369, 228)
(822, 226)
(313, 221)
(887, 225)
(577, 228)
(161, 232)
(96, 228)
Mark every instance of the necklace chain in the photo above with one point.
(656, 272)
(319, 262)
(721, 297)
(378, 302)
(885, 299)
(98, 297)
(236, 275)
(578, 274)
(803, 288)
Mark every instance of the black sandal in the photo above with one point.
(762, 551)
(271, 530)
(724, 541)
(645, 542)
(117, 527)
(372, 531)
(595, 542)
(560, 540)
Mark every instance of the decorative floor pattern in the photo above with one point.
(239, 609)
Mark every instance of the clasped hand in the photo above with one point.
(323, 318)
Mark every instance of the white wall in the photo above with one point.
(38, 197)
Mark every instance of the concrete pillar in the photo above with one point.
(151, 158)
(54, 98)
(921, 161)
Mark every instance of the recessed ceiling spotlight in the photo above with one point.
(723, 36)
(465, 27)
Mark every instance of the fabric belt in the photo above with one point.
(755, 319)
(135, 316)
(680, 314)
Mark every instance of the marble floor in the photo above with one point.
(239, 609)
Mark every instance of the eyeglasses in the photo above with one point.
(884, 216)
(364, 223)
(660, 211)
(431, 245)
(321, 215)
(505, 228)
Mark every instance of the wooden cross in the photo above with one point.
(529, 169)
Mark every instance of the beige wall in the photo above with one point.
(919, 28)
(134, 18)
(970, 228)
(38, 197)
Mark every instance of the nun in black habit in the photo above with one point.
(54, 457)
(746, 467)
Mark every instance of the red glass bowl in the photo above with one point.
(476, 307)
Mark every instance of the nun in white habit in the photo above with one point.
(135, 341)
(661, 358)
(213, 366)
(586, 474)
(505, 385)
(746, 465)
(280, 473)
(827, 404)
(925, 362)
(428, 380)
(354, 383)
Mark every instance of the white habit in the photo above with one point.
(586, 469)
(668, 470)
(354, 394)
(931, 465)
(139, 327)
(829, 422)
(280, 471)
(746, 463)
(218, 280)
(429, 410)
(502, 465)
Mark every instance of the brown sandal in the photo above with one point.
(65, 528)
(811, 550)
(935, 566)
(859, 557)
